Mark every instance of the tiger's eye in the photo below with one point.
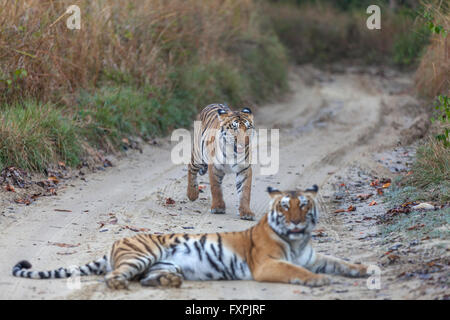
(303, 201)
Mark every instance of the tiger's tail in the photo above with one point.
(97, 267)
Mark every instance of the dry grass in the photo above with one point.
(136, 68)
(432, 165)
(142, 39)
(433, 75)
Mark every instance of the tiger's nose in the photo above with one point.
(296, 221)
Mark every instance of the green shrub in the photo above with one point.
(429, 179)
(408, 46)
(201, 85)
(112, 113)
(431, 170)
(264, 63)
(33, 135)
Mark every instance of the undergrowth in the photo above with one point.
(420, 224)
(330, 31)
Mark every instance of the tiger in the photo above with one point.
(276, 249)
(223, 145)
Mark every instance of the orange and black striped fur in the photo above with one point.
(276, 249)
(222, 144)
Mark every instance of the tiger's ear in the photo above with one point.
(248, 113)
(221, 114)
(273, 192)
(313, 190)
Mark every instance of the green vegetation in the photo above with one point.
(432, 75)
(420, 224)
(330, 31)
(409, 46)
(431, 169)
(34, 135)
(114, 112)
(429, 181)
(442, 109)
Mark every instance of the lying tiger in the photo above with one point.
(222, 145)
(277, 249)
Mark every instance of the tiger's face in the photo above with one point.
(236, 128)
(293, 214)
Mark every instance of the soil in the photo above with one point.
(336, 128)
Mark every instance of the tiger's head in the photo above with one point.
(236, 128)
(293, 214)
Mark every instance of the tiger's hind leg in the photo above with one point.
(215, 180)
(164, 274)
(332, 265)
(127, 268)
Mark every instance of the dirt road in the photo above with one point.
(331, 123)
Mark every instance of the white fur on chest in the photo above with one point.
(305, 258)
(231, 168)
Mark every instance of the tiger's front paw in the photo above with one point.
(218, 207)
(316, 281)
(116, 282)
(360, 270)
(246, 214)
(193, 192)
(218, 210)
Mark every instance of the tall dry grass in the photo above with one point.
(431, 169)
(433, 74)
(142, 39)
(136, 68)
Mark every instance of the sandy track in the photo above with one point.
(328, 122)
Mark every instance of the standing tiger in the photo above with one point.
(222, 145)
(276, 249)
